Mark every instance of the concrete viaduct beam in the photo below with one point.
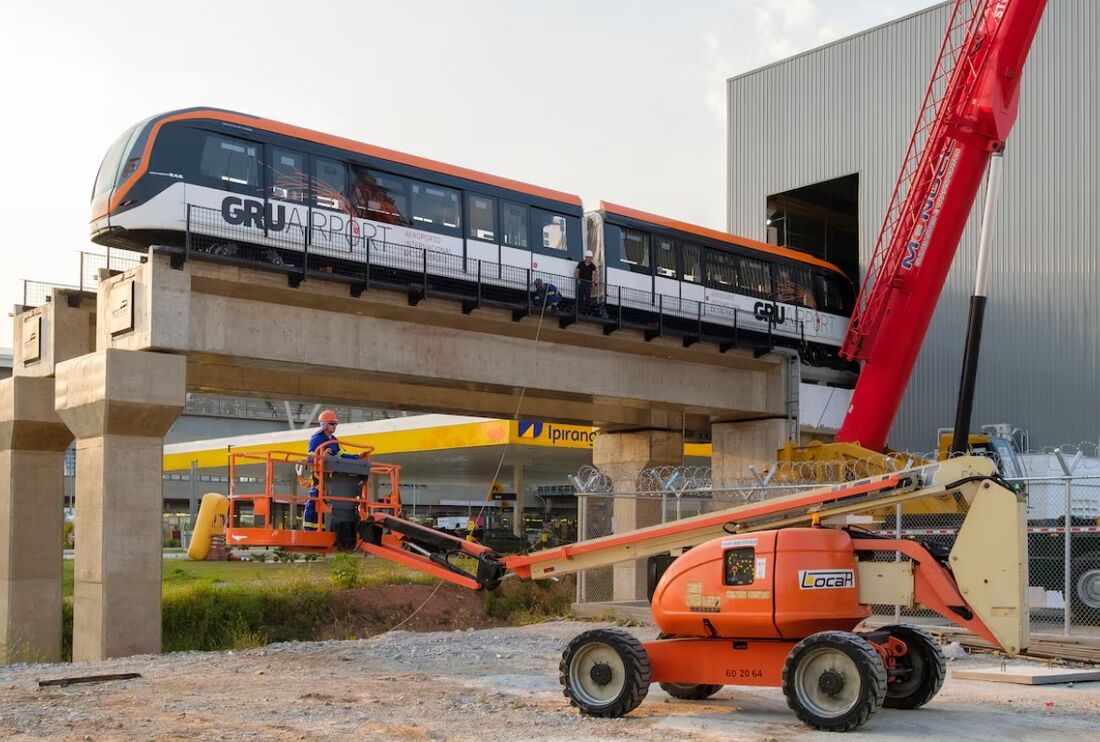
(245, 331)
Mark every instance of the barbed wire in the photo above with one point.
(783, 477)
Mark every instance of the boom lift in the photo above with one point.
(768, 596)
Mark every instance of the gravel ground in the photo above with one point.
(493, 684)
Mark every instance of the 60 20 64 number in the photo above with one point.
(735, 672)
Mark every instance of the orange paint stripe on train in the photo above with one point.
(100, 211)
(714, 234)
(340, 143)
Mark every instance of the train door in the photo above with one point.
(330, 223)
(515, 244)
(482, 237)
(692, 291)
(834, 307)
(633, 268)
(288, 192)
(555, 248)
(666, 273)
(227, 188)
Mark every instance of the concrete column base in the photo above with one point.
(739, 445)
(32, 448)
(622, 457)
(119, 404)
(517, 487)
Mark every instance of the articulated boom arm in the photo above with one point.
(988, 563)
(967, 113)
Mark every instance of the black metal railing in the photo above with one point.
(315, 251)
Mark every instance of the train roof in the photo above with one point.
(714, 234)
(248, 120)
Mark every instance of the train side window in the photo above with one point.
(232, 163)
(481, 217)
(330, 183)
(636, 250)
(513, 221)
(288, 175)
(379, 196)
(550, 230)
(436, 208)
(690, 259)
(831, 295)
(666, 258)
(739, 566)
(793, 286)
(721, 271)
(754, 277)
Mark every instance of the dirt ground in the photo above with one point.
(492, 684)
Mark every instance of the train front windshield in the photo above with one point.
(120, 161)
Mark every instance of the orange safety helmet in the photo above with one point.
(328, 416)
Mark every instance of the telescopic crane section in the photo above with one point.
(967, 112)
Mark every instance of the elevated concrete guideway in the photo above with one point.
(245, 332)
(119, 374)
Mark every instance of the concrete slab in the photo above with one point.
(1028, 674)
(246, 332)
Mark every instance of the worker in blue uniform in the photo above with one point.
(325, 432)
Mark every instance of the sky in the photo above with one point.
(616, 100)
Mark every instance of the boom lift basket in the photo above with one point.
(272, 517)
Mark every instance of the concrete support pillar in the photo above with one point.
(622, 457)
(738, 445)
(517, 487)
(32, 489)
(119, 404)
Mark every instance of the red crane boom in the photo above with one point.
(968, 110)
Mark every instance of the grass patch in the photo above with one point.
(187, 572)
(523, 602)
(240, 605)
(208, 617)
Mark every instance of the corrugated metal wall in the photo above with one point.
(849, 108)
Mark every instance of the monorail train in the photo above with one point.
(240, 185)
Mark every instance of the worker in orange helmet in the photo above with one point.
(326, 432)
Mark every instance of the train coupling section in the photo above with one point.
(425, 549)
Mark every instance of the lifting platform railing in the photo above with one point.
(278, 524)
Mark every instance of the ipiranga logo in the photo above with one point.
(823, 579)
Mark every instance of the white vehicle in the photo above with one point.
(246, 189)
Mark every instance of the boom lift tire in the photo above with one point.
(927, 667)
(690, 691)
(604, 673)
(834, 681)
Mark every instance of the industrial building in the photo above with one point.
(814, 146)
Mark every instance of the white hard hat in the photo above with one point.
(587, 253)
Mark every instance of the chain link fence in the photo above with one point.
(37, 293)
(1063, 521)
